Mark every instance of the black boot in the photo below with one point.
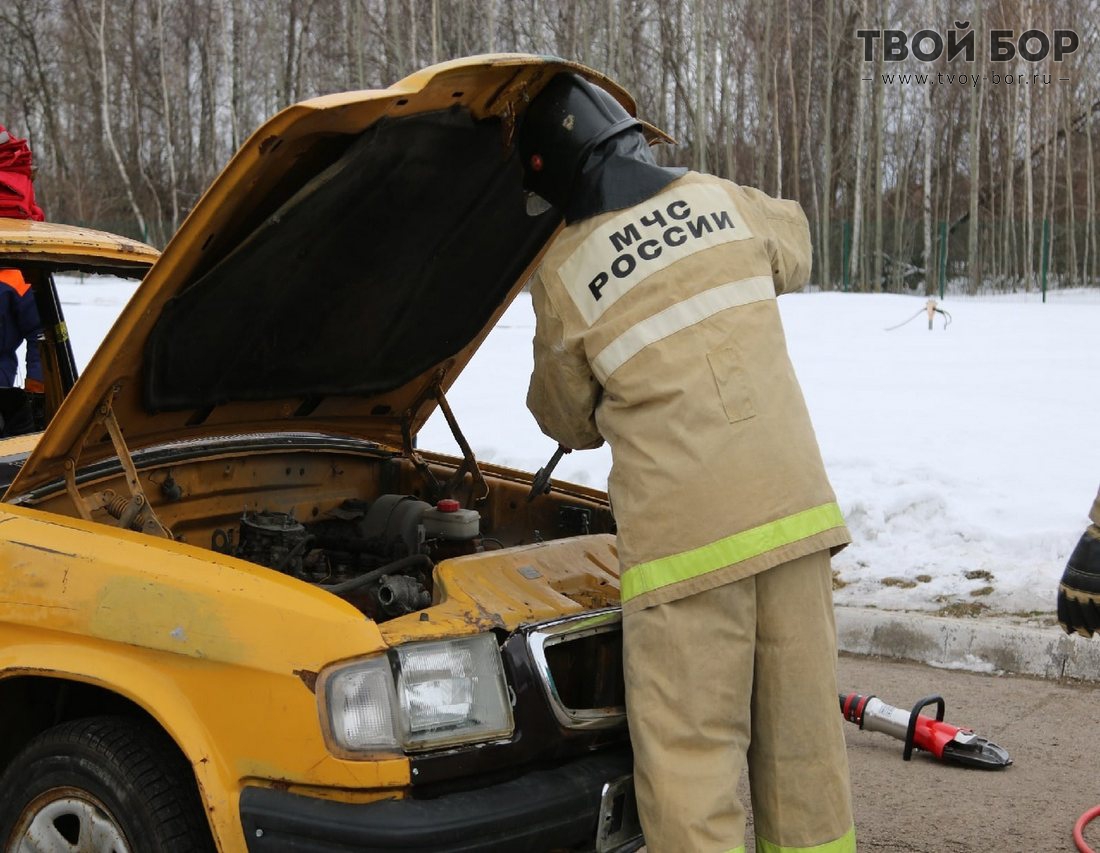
(1079, 591)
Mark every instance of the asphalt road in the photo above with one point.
(1051, 730)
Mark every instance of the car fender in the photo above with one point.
(222, 653)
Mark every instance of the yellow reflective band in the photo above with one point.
(646, 577)
(845, 844)
(740, 849)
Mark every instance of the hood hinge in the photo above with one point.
(133, 514)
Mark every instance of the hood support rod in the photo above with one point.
(468, 465)
(137, 512)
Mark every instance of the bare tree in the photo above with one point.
(100, 33)
(767, 94)
(857, 204)
(974, 176)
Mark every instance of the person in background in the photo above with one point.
(19, 321)
(1079, 591)
(657, 330)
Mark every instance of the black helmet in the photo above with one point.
(565, 121)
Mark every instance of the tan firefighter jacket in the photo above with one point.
(658, 330)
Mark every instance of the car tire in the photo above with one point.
(102, 784)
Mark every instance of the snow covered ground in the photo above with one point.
(965, 459)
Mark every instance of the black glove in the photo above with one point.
(1079, 591)
(38, 410)
(15, 412)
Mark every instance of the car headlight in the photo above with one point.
(360, 700)
(419, 696)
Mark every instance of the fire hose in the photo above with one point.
(1079, 829)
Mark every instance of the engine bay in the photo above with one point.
(377, 554)
(366, 524)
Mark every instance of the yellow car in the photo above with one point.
(239, 608)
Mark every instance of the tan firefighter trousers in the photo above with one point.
(743, 671)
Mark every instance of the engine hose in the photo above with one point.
(1079, 829)
(413, 561)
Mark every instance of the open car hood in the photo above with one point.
(337, 275)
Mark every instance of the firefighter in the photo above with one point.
(1079, 591)
(657, 330)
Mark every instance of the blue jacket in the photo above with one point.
(18, 322)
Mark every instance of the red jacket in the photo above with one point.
(16, 189)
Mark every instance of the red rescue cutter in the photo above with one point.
(946, 742)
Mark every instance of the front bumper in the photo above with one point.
(542, 810)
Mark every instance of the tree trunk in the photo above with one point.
(1011, 266)
(1029, 196)
(435, 31)
(169, 135)
(879, 133)
(1071, 218)
(778, 135)
(1089, 264)
(827, 148)
(975, 142)
(857, 203)
(108, 121)
(793, 116)
(699, 14)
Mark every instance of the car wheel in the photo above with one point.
(101, 785)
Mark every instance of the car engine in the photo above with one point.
(378, 554)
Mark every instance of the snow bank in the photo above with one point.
(964, 460)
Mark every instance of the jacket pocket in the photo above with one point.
(732, 381)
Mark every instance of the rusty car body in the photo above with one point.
(228, 573)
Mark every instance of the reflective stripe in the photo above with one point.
(678, 317)
(646, 577)
(845, 844)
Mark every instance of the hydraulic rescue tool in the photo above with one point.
(946, 742)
